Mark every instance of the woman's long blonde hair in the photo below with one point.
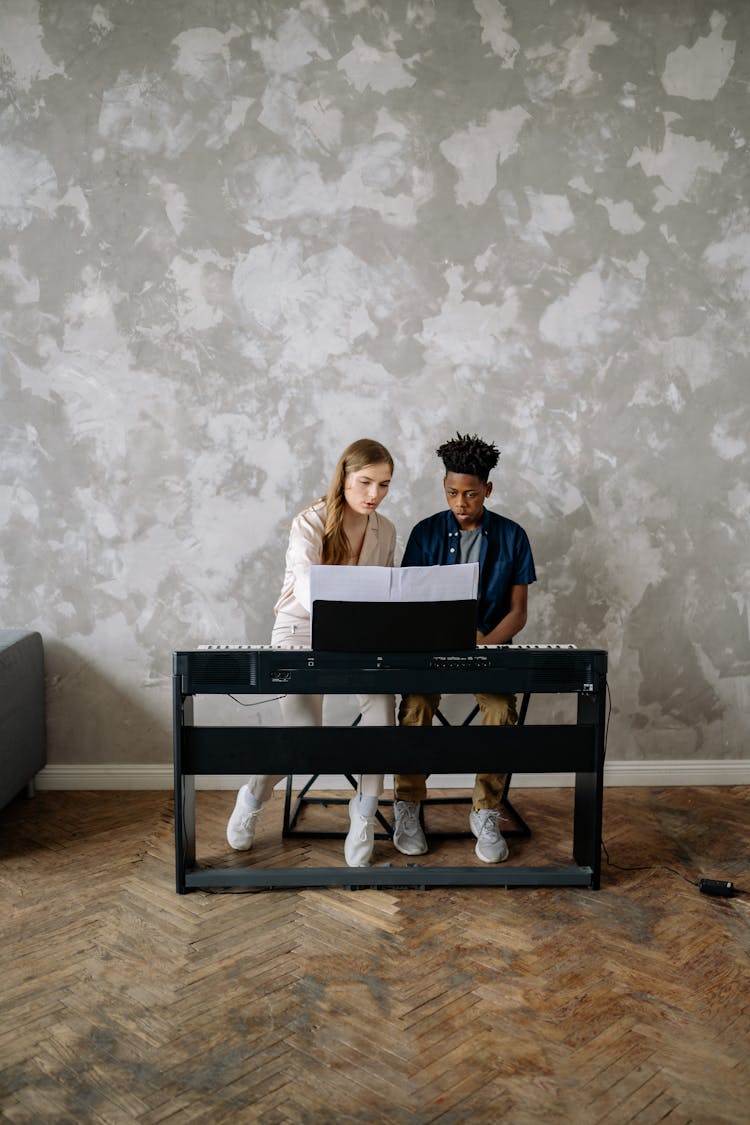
(336, 548)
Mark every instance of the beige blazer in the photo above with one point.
(305, 550)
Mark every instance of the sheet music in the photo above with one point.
(349, 583)
(458, 582)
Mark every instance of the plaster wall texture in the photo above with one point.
(236, 235)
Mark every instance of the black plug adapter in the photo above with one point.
(718, 887)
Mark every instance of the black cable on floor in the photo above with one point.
(719, 888)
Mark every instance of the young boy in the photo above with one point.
(468, 532)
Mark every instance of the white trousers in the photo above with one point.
(307, 711)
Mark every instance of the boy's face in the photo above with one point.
(466, 496)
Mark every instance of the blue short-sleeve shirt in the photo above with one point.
(505, 558)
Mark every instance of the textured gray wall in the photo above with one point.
(236, 235)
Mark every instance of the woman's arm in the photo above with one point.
(305, 550)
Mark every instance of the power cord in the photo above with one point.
(259, 703)
(719, 888)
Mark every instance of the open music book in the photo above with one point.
(392, 609)
(458, 582)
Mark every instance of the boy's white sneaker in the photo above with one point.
(408, 835)
(242, 822)
(491, 846)
(360, 839)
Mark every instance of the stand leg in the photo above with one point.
(589, 791)
(288, 822)
(184, 793)
(186, 843)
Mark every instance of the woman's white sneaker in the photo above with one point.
(360, 839)
(242, 822)
(408, 836)
(491, 846)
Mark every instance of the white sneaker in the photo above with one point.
(491, 846)
(360, 839)
(241, 826)
(408, 836)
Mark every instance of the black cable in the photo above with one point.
(259, 703)
(606, 721)
(718, 887)
(648, 867)
(701, 884)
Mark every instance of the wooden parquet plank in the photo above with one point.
(21, 993)
(369, 909)
(326, 1087)
(678, 1116)
(340, 1039)
(224, 929)
(88, 1097)
(693, 1048)
(631, 1095)
(178, 1107)
(327, 936)
(656, 1110)
(332, 1055)
(464, 1008)
(621, 1060)
(315, 1006)
(439, 1000)
(459, 1060)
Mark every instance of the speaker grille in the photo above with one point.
(228, 671)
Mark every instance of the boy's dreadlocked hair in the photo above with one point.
(468, 454)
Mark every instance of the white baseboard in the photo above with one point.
(731, 771)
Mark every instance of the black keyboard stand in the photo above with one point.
(575, 747)
(292, 811)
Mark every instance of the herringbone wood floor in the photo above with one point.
(124, 1002)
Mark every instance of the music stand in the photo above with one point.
(344, 626)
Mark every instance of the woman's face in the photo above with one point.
(365, 488)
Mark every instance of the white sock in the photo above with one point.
(251, 803)
(366, 806)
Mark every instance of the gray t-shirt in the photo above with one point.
(471, 546)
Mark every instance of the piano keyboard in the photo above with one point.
(305, 648)
(297, 669)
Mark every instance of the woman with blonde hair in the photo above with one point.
(342, 528)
